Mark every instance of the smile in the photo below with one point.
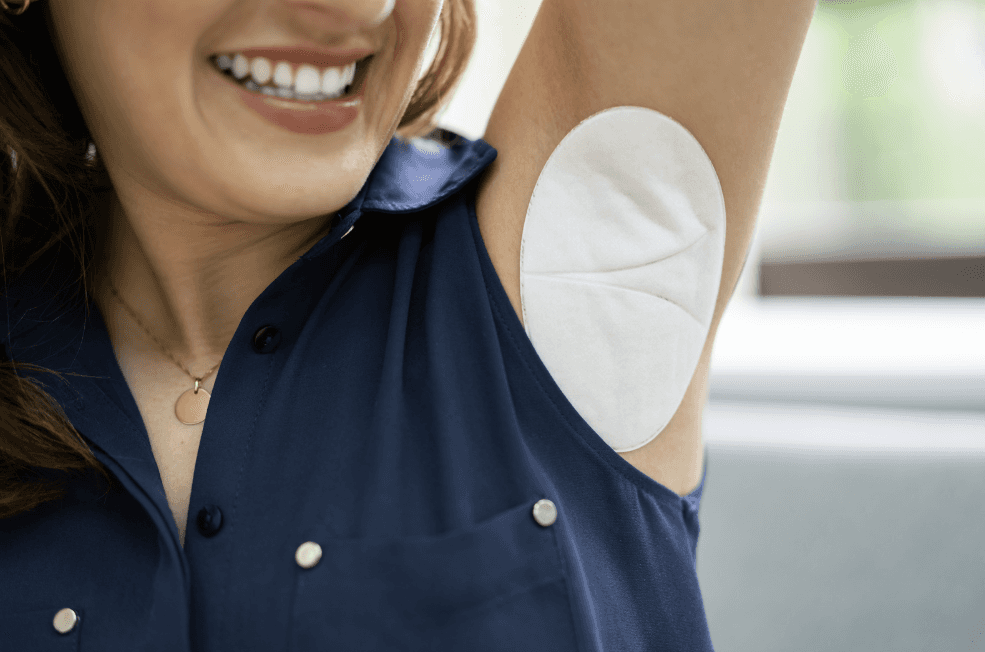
(290, 81)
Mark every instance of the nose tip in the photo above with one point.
(342, 15)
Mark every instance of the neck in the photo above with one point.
(191, 282)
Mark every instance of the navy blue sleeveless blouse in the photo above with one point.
(381, 404)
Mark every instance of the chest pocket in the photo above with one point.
(497, 586)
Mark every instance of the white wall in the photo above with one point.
(502, 27)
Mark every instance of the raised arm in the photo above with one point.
(721, 68)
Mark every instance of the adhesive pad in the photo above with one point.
(620, 265)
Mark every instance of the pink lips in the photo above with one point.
(309, 117)
(302, 117)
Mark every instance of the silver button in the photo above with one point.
(308, 554)
(545, 513)
(65, 620)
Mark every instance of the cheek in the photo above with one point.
(139, 78)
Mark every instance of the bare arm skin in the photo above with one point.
(721, 68)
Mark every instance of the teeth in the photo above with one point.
(241, 66)
(334, 80)
(308, 82)
(260, 70)
(331, 81)
(283, 75)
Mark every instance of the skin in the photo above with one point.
(211, 202)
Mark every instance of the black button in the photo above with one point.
(209, 520)
(266, 339)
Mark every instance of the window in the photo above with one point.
(877, 185)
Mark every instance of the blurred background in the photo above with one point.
(844, 507)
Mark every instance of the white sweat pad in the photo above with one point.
(620, 265)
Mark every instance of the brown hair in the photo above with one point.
(49, 184)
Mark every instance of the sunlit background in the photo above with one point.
(845, 500)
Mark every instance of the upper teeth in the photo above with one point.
(303, 80)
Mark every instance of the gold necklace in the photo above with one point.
(191, 406)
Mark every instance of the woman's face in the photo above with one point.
(167, 120)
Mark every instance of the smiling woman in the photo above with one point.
(62, 176)
(427, 402)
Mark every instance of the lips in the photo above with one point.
(304, 116)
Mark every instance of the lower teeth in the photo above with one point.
(289, 94)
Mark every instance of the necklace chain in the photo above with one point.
(163, 348)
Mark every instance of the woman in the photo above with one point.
(431, 425)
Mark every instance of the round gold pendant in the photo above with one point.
(191, 407)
